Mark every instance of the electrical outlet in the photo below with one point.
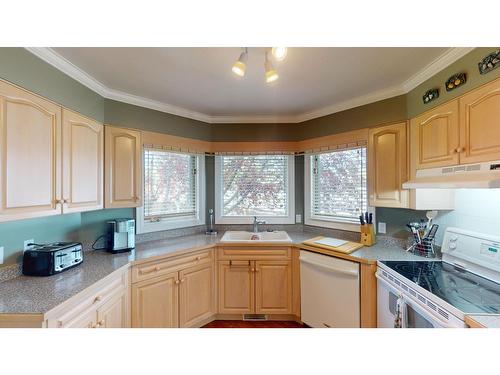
(382, 228)
(298, 218)
(26, 244)
(1, 254)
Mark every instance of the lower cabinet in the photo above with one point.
(184, 297)
(103, 305)
(255, 287)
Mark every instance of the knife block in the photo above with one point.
(368, 237)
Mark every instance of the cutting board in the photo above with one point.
(345, 248)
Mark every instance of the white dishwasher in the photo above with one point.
(329, 291)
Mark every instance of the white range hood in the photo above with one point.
(481, 175)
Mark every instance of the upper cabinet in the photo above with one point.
(434, 137)
(30, 157)
(83, 152)
(123, 168)
(387, 166)
(480, 124)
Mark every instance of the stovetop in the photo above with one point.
(464, 290)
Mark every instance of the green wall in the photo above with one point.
(467, 64)
(24, 69)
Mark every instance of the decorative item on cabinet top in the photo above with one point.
(455, 80)
(430, 95)
(489, 63)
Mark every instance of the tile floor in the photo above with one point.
(249, 324)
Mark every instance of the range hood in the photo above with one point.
(481, 175)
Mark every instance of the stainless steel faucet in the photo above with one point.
(256, 224)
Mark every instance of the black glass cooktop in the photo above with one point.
(464, 290)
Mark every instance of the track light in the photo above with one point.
(279, 53)
(271, 73)
(240, 66)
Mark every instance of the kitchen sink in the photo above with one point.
(242, 236)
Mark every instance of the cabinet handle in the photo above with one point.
(177, 281)
(257, 270)
(198, 258)
(144, 272)
(461, 149)
(65, 201)
(252, 269)
(454, 151)
(98, 299)
(100, 323)
(182, 280)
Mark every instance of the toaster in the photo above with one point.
(49, 259)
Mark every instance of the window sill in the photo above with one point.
(341, 225)
(249, 220)
(148, 227)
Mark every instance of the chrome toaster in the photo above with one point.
(49, 259)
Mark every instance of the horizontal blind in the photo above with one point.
(254, 185)
(339, 184)
(169, 184)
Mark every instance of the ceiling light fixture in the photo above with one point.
(271, 73)
(240, 66)
(279, 53)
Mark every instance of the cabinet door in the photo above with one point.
(236, 287)
(155, 302)
(83, 162)
(123, 168)
(114, 313)
(196, 295)
(480, 124)
(387, 166)
(434, 137)
(273, 287)
(30, 157)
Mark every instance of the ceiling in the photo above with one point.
(198, 82)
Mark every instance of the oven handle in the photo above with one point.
(414, 305)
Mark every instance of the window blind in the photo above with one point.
(339, 184)
(255, 185)
(169, 184)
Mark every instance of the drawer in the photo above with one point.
(253, 252)
(88, 300)
(149, 270)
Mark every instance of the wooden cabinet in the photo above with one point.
(174, 292)
(236, 287)
(30, 157)
(387, 166)
(196, 294)
(123, 168)
(480, 124)
(273, 287)
(155, 302)
(83, 152)
(260, 284)
(102, 305)
(434, 137)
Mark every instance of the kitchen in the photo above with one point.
(124, 205)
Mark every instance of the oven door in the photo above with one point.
(396, 310)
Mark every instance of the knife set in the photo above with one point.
(423, 238)
(368, 237)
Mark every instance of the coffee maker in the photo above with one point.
(121, 235)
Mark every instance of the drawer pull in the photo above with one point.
(198, 257)
(98, 299)
(145, 272)
(177, 282)
(182, 280)
(100, 323)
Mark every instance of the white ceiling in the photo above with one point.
(198, 82)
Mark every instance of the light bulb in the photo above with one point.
(240, 66)
(279, 53)
(271, 73)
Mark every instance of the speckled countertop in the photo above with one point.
(33, 295)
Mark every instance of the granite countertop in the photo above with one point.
(484, 320)
(25, 294)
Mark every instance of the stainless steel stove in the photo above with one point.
(440, 293)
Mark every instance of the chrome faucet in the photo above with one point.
(256, 224)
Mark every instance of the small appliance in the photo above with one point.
(49, 259)
(121, 235)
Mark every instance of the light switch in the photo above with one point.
(382, 228)
(1, 254)
(298, 218)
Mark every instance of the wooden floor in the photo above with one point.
(247, 324)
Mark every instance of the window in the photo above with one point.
(336, 191)
(254, 185)
(173, 188)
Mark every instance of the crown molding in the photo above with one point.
(53, 58)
